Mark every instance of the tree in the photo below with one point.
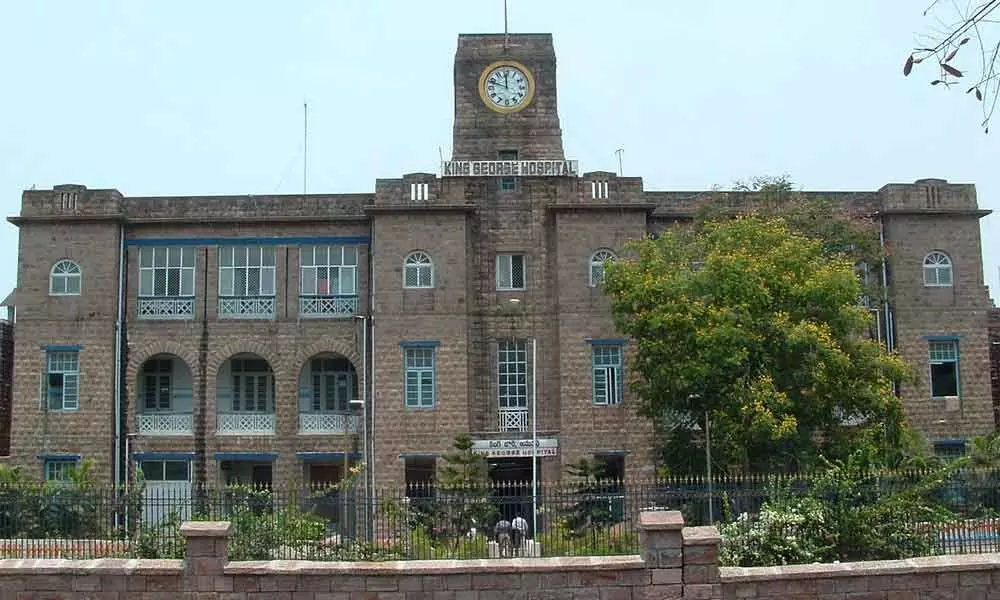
(464, 493)
(758, 327)
(955, 25)
(592, 509)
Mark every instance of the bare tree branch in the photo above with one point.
(953, 27)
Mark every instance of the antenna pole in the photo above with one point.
(305, 145)
(506, 36)
(619, 152)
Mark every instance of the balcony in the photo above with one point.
(166, 308)
(165, 423)
(327, 306)
(246, 307)
(246, 423)
(328, 423)
(515, 419)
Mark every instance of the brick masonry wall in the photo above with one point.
(959, 577)
(676, 562)
(995, 363)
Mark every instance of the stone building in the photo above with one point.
(259, 338)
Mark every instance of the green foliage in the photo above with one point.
(759, 326)
(53, 509)
(463, 497)
(848, 513)
(592, 509)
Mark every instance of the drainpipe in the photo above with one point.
(119, 343)
(890, 340)
(369, 377)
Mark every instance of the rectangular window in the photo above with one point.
(165, 470)
(246, 271)
(62, 380)
(949, 450)
(607, 365)
(334, 384)
(59, 469)
(512, 374)
(328, 270)
(253, 386)
(510, 272)
(944, 369)
(419, 377)
(157, 384)
(507, 184)
(166, 272)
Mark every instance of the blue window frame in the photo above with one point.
(59, 468)
(945, 381)
(61, 382)
(419, 384)
(607, 374)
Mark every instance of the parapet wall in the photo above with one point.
(676, 562)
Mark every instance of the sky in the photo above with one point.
(192, 97)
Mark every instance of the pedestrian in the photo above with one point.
(502, 533)
(519, 534)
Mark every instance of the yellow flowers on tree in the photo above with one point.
(759, 327)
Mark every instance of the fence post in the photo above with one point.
(701, 562)
(663, 551)
(206, 551)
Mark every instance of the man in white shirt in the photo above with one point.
(520, 533)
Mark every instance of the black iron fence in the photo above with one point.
(428, 522)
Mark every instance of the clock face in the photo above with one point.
(506, 86)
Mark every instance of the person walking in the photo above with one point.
(519, 534)
(502, 533)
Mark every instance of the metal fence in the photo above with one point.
(427, 522)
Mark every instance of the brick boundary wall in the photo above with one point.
(676, 562)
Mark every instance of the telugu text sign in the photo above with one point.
(509, 168)
(515, 448)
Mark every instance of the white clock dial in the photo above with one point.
(506, 87)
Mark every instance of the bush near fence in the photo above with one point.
(395, 524)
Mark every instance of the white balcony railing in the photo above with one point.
(246, 423)
(328, 306)
(166, 423)
(246, 307)
(513, 419)
(329, 423)
(166, 308)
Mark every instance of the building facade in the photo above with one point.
(265, 338)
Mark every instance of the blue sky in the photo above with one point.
(187, 97)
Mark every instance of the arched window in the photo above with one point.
(64, 279)
(937, 270)
(418, 270)
(597, 260)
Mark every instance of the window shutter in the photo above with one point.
(71, 391)
(43, 400)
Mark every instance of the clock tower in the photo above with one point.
(505, 98)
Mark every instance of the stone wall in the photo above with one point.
(676, 562)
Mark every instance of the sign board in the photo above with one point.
(510, 168)
(515, 448)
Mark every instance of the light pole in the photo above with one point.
(534, 438)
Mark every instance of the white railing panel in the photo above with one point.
(250, 307)
(166, 308)
(166, 423)
(246, 423)
(328, 306)
(513, 419)
(329, 423)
